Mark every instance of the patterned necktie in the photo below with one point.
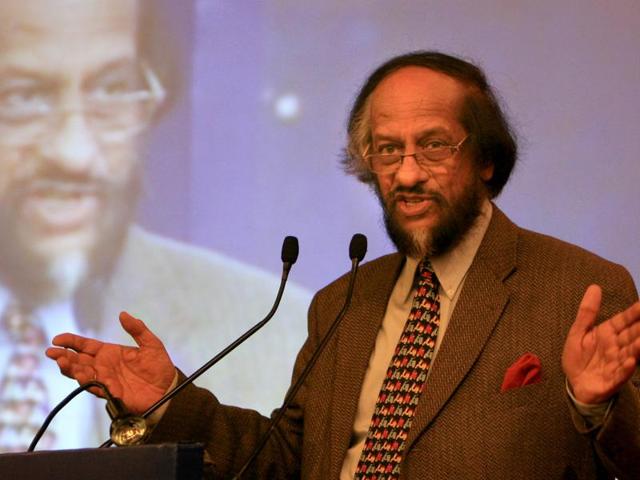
(24, 402)
(403, 383)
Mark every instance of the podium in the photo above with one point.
(158, 462)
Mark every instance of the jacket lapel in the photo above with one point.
(479, 307)
(356, 339)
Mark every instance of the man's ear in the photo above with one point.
(486, 172)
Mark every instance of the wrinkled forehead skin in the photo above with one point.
(72, 23)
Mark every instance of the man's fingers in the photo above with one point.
(77, 343)
(588, 309)
(81, 373)
(55, 353)
(71, 356)
(628, 319)
(628, 343)
(139, 331)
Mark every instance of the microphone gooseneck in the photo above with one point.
(126, 428)
(357, 251)
(289, 256)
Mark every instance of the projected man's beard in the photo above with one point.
(455, 218)
(36, 276)
(49, 244)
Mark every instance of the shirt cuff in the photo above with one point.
(593, 413)
(156, 416)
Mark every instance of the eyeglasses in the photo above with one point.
(434, 156)
(116, 107)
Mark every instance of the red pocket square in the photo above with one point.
(527, 370)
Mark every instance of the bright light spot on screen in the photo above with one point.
(287, 107)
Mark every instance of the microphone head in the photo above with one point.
(130, 430)
(126, 429)
(289, 250)
(358, 247)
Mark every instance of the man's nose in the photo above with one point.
(410, 172)
(72, 145)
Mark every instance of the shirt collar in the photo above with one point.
(451, 267)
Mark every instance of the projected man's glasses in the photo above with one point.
(115, 104)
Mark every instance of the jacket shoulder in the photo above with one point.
(564, 271)
(559, 257)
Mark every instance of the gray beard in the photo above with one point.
(456, 219)
(66, 272)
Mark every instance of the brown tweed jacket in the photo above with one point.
(521, 295)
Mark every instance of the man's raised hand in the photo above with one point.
(599, 359)
(139, 376)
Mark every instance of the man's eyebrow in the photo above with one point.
(13, 71)
(385, 137)
(22, 28)
(124, 65)
(434, 131)
(421, 134)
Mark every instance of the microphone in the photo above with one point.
(358, 247)
(289, 256)
(357, 251)
(126, 428)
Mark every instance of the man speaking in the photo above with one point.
(478, 350)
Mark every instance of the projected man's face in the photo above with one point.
(73, 97)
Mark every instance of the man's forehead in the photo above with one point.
(23, 21)
(409, 108)
(416, 90)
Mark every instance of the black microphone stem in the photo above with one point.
(294, 389)
(224, 352)
(63, 404)
(289, 256)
